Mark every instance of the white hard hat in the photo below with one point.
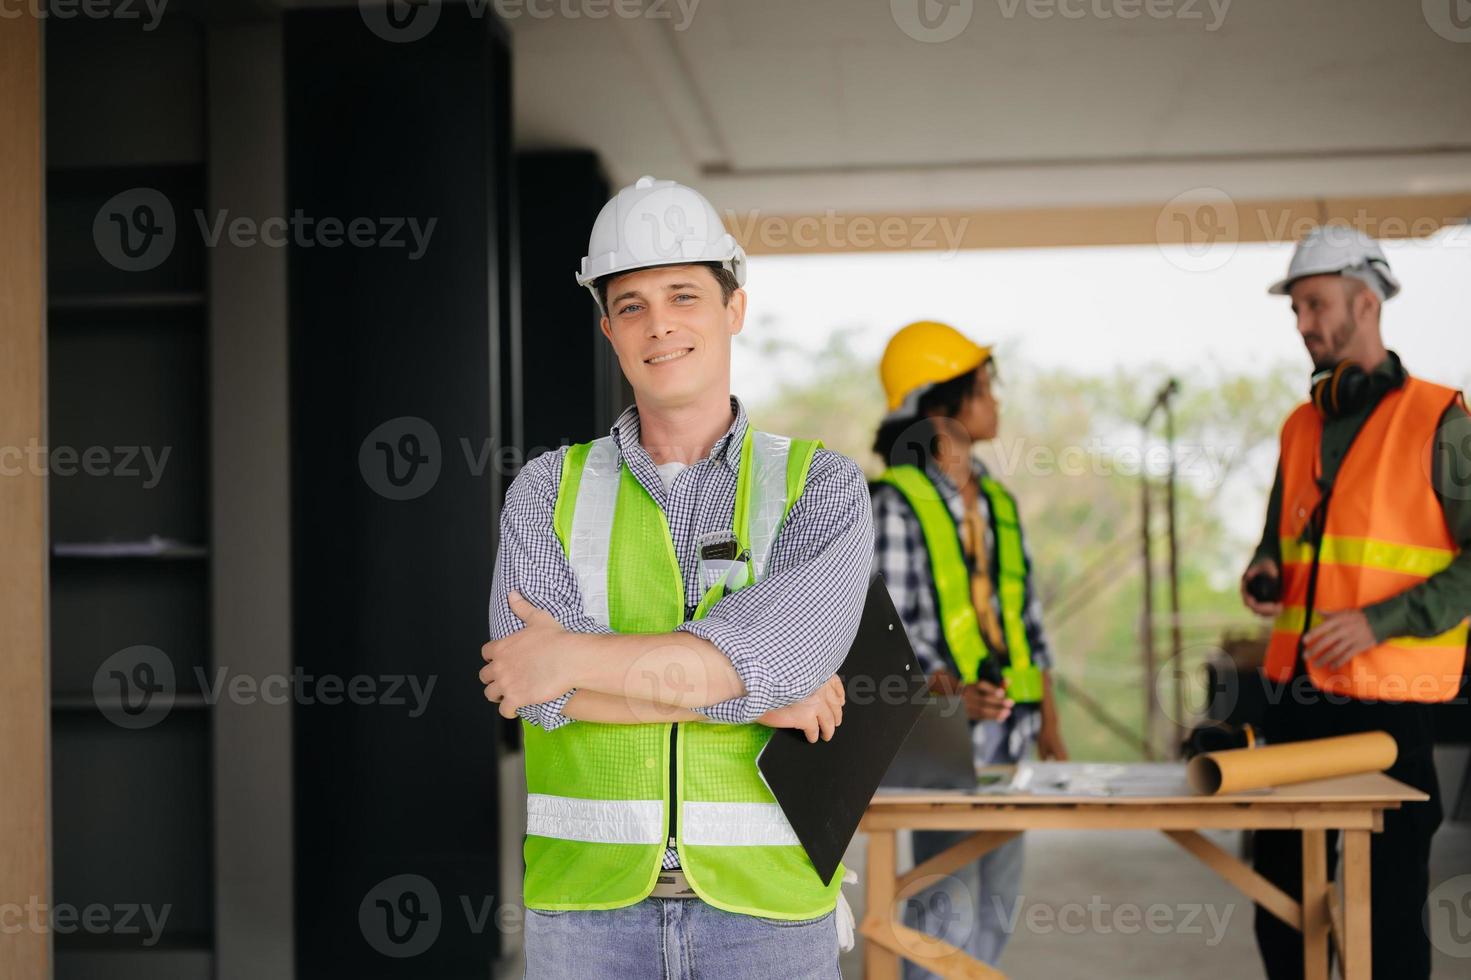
(657, 222)
(1340, 250)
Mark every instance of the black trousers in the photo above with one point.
(1399, 856)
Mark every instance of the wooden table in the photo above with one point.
(1354, 805)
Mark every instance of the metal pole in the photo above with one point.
(1151, 703)
(1147, 626)
(1177, 644)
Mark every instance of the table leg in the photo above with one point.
(1314, 906)
(1357, 951)
(878, 913)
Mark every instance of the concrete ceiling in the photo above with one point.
(831, 104)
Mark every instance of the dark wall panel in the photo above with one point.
(392, 361)
(560, 194)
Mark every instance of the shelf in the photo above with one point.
(137, 399)
(126, 302)
(85, 259)
(131, 819)
(153, 548)
(100, 606)
(128, 402)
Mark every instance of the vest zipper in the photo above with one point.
(673, 782)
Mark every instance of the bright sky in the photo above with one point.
(1092, 309)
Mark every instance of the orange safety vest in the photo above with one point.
(1385, 533)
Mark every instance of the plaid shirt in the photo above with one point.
(785, 635)
(901, 558)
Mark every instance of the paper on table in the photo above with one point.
(1098, 779)
(1235, 770)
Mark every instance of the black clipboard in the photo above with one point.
(824, 787)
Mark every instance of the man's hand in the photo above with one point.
(817, 715)
(982, 701)
(1339, 638)
(1270, 609)
(1050, 746)
(532, 665)
(986, 702)
(945, 683)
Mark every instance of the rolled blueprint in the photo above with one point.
(1234, 770)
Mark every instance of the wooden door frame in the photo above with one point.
(24, 713)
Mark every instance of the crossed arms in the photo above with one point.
(766, 653)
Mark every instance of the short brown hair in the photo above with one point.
(722, 275)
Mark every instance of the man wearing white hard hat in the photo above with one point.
(1365, 568)
(664, 596)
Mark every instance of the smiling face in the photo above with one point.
(671, 331)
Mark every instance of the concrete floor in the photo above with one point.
(1133, 904)
(1080, 889)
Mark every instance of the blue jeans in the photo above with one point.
(677, 939)
(972, 908)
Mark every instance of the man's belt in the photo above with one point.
(672, 884)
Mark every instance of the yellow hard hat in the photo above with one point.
(923, 354)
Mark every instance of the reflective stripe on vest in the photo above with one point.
(1380, 556)
(1385, 533)
(958, 621)
(770, 495)
(642, 822)
(599, 795)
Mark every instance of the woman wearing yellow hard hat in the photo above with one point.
(948, 543)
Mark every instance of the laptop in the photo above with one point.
(937, 754)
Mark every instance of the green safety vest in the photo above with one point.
(604, 801)
(958, 621)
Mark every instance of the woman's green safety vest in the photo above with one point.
(604, 801)
(958, 621)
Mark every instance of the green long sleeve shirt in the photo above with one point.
(1443, 600)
